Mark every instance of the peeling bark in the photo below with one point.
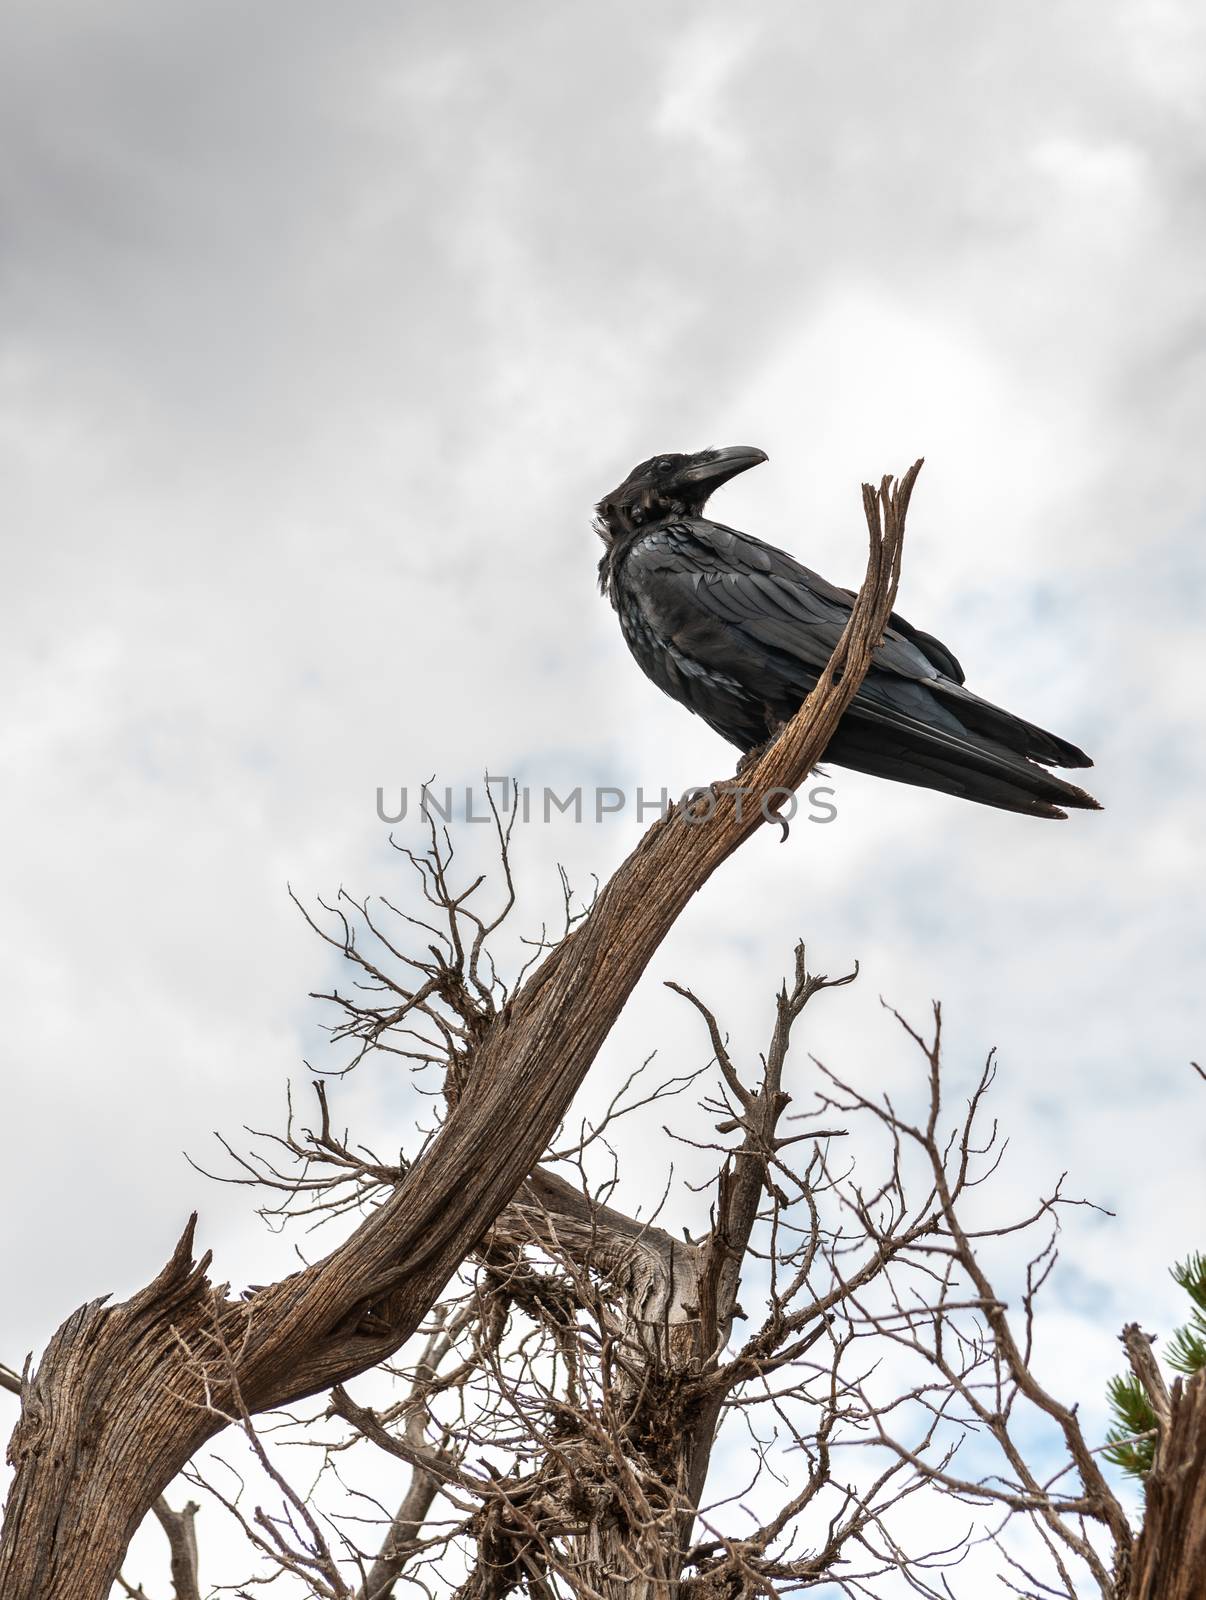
(1169, 1560)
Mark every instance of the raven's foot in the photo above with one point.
(753, 756)
(759, 750)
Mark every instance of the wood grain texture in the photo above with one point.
(1169, 1561)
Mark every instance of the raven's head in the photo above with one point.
(669, 486)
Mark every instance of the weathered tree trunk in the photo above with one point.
(1169, 1560)
(680, 1299)
(620, 1549)
(126, 1394)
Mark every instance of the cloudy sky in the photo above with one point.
(323, 328)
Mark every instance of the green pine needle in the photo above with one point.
(1187, 1348)
(1133, 1414)
(1191, 1275)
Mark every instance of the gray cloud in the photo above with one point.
(322, 332)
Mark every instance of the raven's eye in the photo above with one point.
(663, 463)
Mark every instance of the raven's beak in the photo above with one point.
(725, 464)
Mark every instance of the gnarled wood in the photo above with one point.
(1169, 1561)
(125, 1395)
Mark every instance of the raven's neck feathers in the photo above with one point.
(621, 537)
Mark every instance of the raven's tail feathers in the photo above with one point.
(972, 768)
(1002, 728)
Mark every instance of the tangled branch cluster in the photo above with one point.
(558, 1418)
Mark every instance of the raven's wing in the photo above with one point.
(737, 606)
(686, 665)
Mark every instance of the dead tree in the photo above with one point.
(558, 1416)
(559, 1411)
(125, 1395)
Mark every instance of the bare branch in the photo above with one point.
(182, 1540)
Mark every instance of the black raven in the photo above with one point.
(738, 631)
